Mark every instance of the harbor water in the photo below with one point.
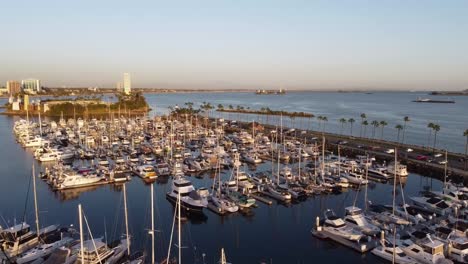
(274, 233)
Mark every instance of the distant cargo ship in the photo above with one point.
(277, 92)
(426, 100)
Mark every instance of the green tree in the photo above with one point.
(363, 117)
(436, 130)
(465, 134)
(351, 123)
(220, 107)
(383, 124)
(431, 128)
(406, 120)
(343, 122)
(375, 125)
(365, 124)
(398, 128)
(324, 120)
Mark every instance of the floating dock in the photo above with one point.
(262, 199)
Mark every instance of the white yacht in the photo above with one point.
(42, 250)
(427, 251)
(224, 204)
(400, 170)
(354, 217)
(386, 250)
(379, 173)
(242, 180)
(354, 178)
(75, 180)
(433, 204)
(336, 227)
(146, 172)
(94, 251)
(19, 238)
(190, 199)
(279, 193)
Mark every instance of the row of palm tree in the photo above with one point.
(322, 120)
(465, 134)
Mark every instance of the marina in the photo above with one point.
(232, 170)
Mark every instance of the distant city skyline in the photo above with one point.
(264, 44)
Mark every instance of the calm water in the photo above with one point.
(276, 234)
(391, 107)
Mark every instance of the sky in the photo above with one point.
(245, 44)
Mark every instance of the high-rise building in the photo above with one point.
(31, 85)
(127, 85)
(13, 87)
(26, 102)
(119, 87)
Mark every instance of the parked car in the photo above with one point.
(390, 151)
(409, 150)
(442, 162)
(421, 157)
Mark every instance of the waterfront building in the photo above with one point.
(26, 102)
(31, 86)
(13, 87)
(127, 85)
(3, 90)
(119, 87)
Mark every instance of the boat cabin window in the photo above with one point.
(415, 250)
(181, 194)
(351, 221)
(184, 184)
(460, 246)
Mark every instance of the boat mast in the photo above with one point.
(445, 170)
(339, 161)
(35, 201)
(223, 257)
(81, 233)
(152, 223)
(323, 158)
(126, 219)
(40, 123)
(394, 181)
(179, 227)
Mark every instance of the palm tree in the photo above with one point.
(365, 124)
(231, 107)
(375, 125)
(220, 107)
(465, 134)
(399, 128)
(324, 119)
(351, 122)
(436, 130)
(363, 116)
(320, 118)
(383, 123)
(431, 127)
(342, 121)
(189, 105)
(406, 120)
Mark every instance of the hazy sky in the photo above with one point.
(376, 44)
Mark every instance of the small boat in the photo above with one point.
(355, 217)
(190, 198)
(433, 204)
(146, 172)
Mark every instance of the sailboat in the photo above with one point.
(19, 239)
(217, 199)
(223, 260)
